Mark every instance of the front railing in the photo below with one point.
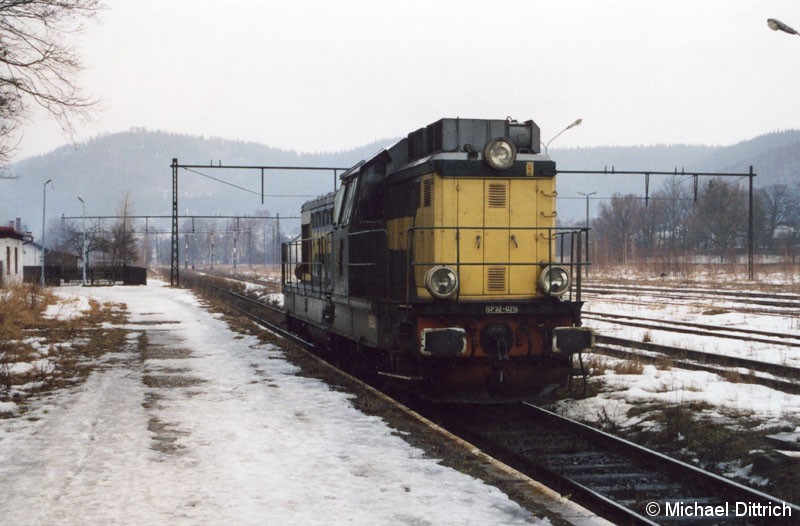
(567, 247)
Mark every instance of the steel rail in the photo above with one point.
(697, 329)
(776, 299)
(702, 356)
(712, 481)
(786, 386)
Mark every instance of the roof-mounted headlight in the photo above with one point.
(441, 282)
(554, 280)
(500, 153)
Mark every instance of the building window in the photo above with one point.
(16, 260)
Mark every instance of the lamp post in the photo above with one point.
(776, 25)
(576, 123)
(44, 208)
(83, 246)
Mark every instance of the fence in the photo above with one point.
(103, 275)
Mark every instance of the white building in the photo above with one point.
(11, 256)
(32, 255)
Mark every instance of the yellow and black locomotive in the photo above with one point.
(437, 265)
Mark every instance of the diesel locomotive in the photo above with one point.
(437, 266)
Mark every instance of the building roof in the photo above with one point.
(9, 232)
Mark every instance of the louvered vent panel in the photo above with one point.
(496, 279)
(497, 196)
(427, 185)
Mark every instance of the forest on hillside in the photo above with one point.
(125, 176)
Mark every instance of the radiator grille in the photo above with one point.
(496, 279)
(497, 196)
(427, 185)
(423, 193)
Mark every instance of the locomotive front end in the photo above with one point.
(491, 281)
(437, 265)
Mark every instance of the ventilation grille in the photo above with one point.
(496, 279)
(423, 193)
(427, 185)
(497, 196)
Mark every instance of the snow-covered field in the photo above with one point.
(710, 311)
(725, 400)
(193, 424)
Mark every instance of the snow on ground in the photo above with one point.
(724, 314)
(675, 386)
(208, 427)
(621, 392)
(69, 308)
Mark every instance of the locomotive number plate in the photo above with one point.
(502, 309)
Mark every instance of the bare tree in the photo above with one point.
(118, 243)
(719, 218)
(615, 227)
(72, 239)
(38, 65)
(774, 206)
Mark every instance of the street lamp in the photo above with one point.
(776, 25)
(83, 247)
(44, 207)
(587, 205)
(576, 123)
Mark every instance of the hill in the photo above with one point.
(137, 162)
(775, 158)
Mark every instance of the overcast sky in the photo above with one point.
(323, 75)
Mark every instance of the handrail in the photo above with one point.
(565, 246)
(569, 237)
(320, 266)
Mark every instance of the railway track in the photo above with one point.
(780, 376)
(623, 482)
(675, 359)
(618, 480)
(697, 329)
(777, 299)
(559, 510)
(769, 303)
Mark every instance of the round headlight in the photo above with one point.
(554, 281)
(442, 282)
(500, 153)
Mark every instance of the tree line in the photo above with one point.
(674, 223)
(672, 226)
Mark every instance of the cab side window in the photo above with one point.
(370, 195)
(350, 191)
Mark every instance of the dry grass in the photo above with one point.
(629, 367)
(597, 365)
(735, 377)
(39, 354)
(20, 308)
